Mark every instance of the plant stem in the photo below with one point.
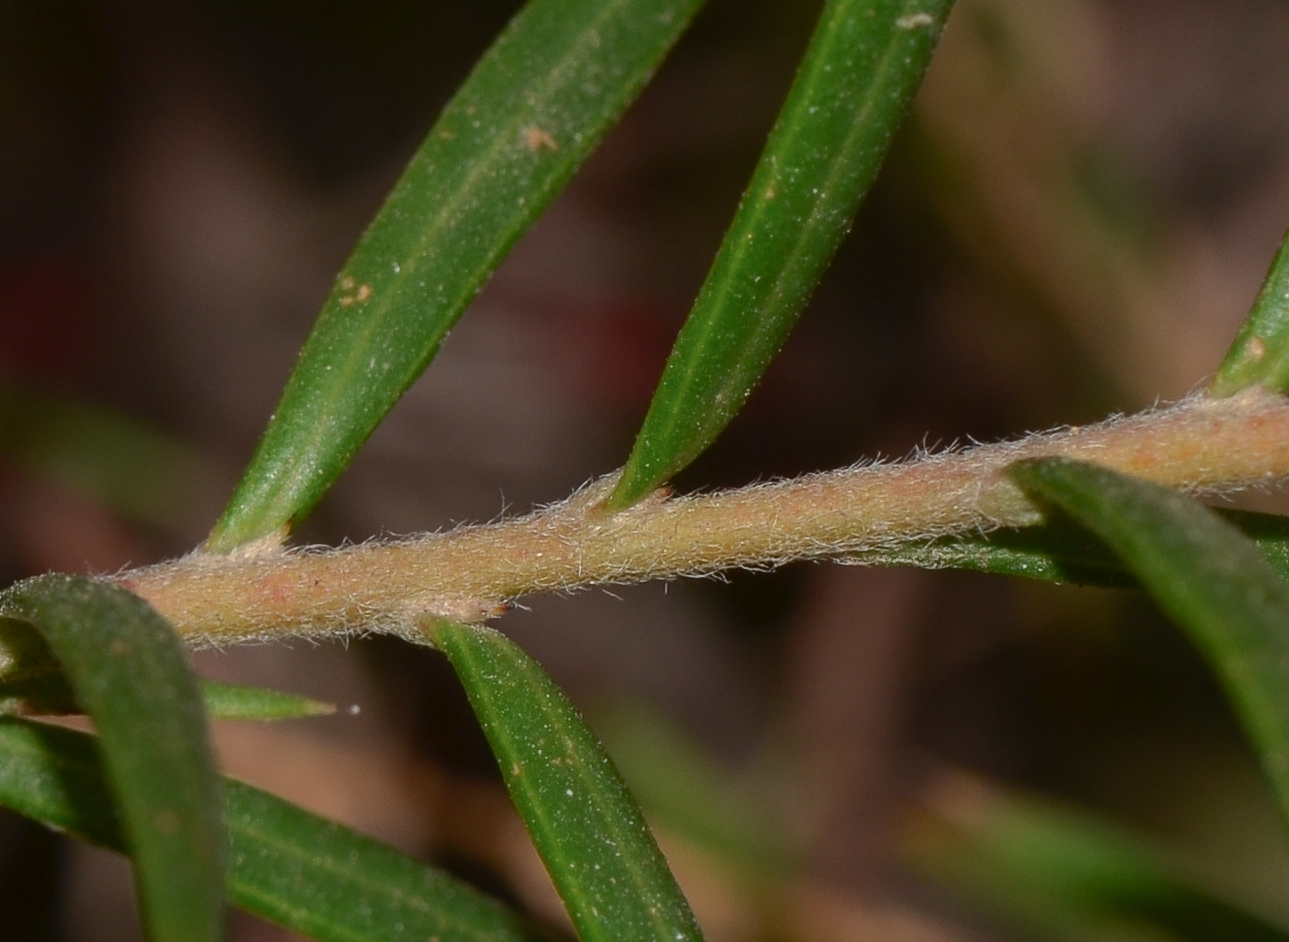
(1209, 446)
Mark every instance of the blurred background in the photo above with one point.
(1073, 223)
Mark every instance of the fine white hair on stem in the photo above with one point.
(1201, 445)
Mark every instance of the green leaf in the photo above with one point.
(537, 103)
(42, 689)
(240, 702)
(319, 878)
(303, 872)
(1205, 574)
(131, 674)
(1259, 355)
(589, 831)
(1062, 551)
(865, 61)
(1061, 874)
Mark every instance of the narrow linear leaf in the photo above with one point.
(1259, 355)
(589, 831)
(240, 702)
(131, 674)
(43, 691)
(54, 775)
(537, 103)
(1062, 551)
(324, 880)
(294, 868)
(865, 61)
(1057, 551)
(1205, 574)
(1062, 874)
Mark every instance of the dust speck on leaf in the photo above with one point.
(538, 138)
(355, 294)
(914, 20)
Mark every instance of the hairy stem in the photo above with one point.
(1203, 445)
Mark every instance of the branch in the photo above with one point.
(1207, 446)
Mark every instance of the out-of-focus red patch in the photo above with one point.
(619, 353)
